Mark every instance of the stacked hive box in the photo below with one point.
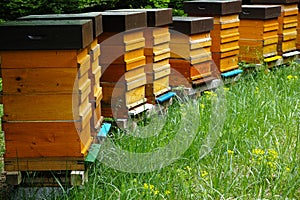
(288, 22)
(157, 51)
(298, 30)
(123, 62)
(45, 94)
(94, 72)
(190, 50)
(258, 32)
(225, 35)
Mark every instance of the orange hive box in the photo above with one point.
(262, 43)
(46, 94)
(156, 51)
(190, 50)
(94, 73)
(225, 34)
(122, 59)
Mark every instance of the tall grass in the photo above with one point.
(255, 157)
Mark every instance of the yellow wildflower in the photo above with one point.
(271, 164)
(230, 152)
(258, 151)
(204, 173)
(156, 192)
(151, 187)
(287, 169)
(272, 154)
(146, 186)
(210, 93)
(291, 77)
(226, 89)
(167, 192)
(202, 106)
(188, 168)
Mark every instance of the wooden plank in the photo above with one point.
(118, 93)
(39, 59)
(118, 55)
(40, 107)
(200, 70)
(225, 47)
(44, 164)
(225, 63)
(121, 39)
(38, 80)
(41, 139)
(115, 73)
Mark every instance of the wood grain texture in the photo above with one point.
(44, 164)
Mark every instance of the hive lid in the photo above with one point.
(212, 8)
(193, 25)
(274, 1)
(260, 11)
(155, 16)
(46, 34)
(123, 21)
(96, 17)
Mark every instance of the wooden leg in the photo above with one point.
(13, 178)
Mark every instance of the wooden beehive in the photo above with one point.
(45, 94)
(156, 51)
(257, 45)
(122, 60)
(94, 72)
(225, 34)
(190, 50)
(288, 22)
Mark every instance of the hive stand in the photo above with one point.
(94, 72)
(258, 33)
(225, 35)
(46, 89)
(123, 63)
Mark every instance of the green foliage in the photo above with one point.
(12, 9)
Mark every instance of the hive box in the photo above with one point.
(122, 59)
(46, 87)
(190, 50)
(95, 70)
(257, 45)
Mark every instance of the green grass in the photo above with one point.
(255, 157)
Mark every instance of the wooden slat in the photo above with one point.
(40, 59)
(40, 107)
(44, 164)
(225, 63)
(41, 139)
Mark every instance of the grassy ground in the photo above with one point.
(255, 157)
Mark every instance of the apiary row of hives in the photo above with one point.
(63, 73)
